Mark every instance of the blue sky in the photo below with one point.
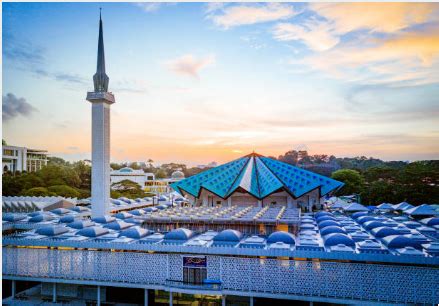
(196, 82)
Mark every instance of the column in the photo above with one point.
(14, 289)
(170, 298)
(251, 301)
(223, 300)
(259, 203)
(54, 292)
(98, 303)
(229, 201)
(146, 298)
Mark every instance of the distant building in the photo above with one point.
(136, 176)
(209, 165)
(23, 159)
(159, 186)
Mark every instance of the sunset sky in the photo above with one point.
(202, 82)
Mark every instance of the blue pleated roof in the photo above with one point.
(258, 175)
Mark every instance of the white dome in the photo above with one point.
(177, 174)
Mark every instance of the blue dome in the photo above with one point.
(281, 236)
(67, 219)
(359, 214)
(373, 224)
(325, 218)
(228, 235)
(118, 225)
(384, 231)
(364, 219)
(137, 212)
(323, 213)
(123, 215)
(80, 224)
(93, 231)
(431, 221)
(60, 211)
(40, 218)
(338, 238)
(331, 229)
(12, 217)
(179, 234)
(52, 230)
(135, 232)
(104, 219)
(126, 170)
(326, 223)
(399, 241)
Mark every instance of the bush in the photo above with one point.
(65, 191)
(38, 191)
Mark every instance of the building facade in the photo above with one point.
(255, 180)
(136, 176)
(23, 159)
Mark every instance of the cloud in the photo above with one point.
(375, 17)
(13, 107)
(408, 58)
(151, 7)
(189, 65)
(22, 50)
(70, 78)
(246, 14)
(313, 33)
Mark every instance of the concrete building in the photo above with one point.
(160, 186)
(23, 159)
(136, 176)
(101, 101)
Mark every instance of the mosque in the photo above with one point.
(251, 236)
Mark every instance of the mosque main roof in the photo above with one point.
(258, 175)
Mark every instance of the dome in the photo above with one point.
(104, 219)
(40, 218)
(373, 224)
(326, 223)
(52, 230)
(80, 224)
(331, 229)
(93, 231)
(398, 241)
(431, 221)
(126, 170)
(325, 218)
(179, 234)
(359, 214)
(364, 219)
(134, 232)
(118, 225)
(338, 238)
(177, 175)
(281, 236)
(384, 231)
(228, 235)
(323, 213)
(67, 219)
(12, 217)
(123, 215)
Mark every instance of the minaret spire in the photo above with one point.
(101, 101)
(100, 79)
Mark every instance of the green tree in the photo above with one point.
(38, 191)
(84, 173)
(128, 189)
(64, 191)
(161, 173)
(354, 182)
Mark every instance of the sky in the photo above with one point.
(202, 82)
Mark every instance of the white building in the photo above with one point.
(136, 176)
(23, 159)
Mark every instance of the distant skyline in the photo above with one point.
(202, 82)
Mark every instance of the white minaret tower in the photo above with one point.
(101, 101)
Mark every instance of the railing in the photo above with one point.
(184, 285)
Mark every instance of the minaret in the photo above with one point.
(101, 101)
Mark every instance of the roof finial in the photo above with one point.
(100, 79)
(100, 13)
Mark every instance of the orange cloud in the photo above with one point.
(377, 17)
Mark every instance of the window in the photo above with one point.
(194, 269)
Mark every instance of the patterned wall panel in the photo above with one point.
(357, 281)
